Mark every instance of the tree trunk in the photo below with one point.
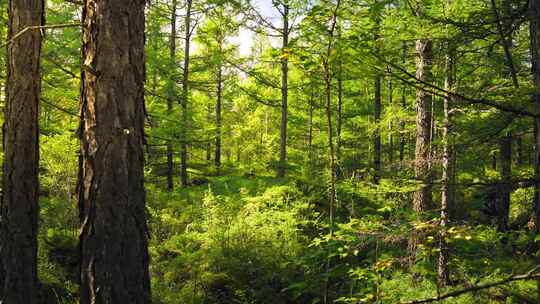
(422, 197)
(185, 97)
(377, 136)
(19, 208)
(377, 108)
(339, 119)
(503, 199)
(219, 92)
(172, 93)
(114, 234)
(447, 201)
(209, 143)
(422, 164)
(402, 137)
(390, 125)
(519, 151)
(310, 124)
(284, 93)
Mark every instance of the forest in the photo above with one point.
(270, 151)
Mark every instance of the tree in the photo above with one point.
(185, 93)
(172, 92)
(284, 32)
(19, 208)
(534, 13)
(422, 163)
(284, 88)
(114, 235)
(447, 199)
(377, 106)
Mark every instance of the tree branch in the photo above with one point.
(38, 27)
(532, 274)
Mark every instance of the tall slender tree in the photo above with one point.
(188, 32)
(171, 92)
(447, 199)
(114, 235)
(19, 206)
(534, 28)
(284, 88)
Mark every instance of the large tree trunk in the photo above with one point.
(185, 96)
(422, 166)
(114, 235)
(284, 93)
(172, 93)
(19, 207)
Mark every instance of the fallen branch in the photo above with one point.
(532, 274)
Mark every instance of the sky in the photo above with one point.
(245, 36)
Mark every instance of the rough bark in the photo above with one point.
(284, 93)
(422, 197)
(422, 164)
(19, 206)
(114, 235)
(172, 93)
(185, 95)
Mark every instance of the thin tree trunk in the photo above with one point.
(172, 93)
(390, 125)
(284, 92)
(114, 234)
(447, 173)
(219, 90)
(331, 150)
(310, 127)
(339, 119)
(377, 136)
(377, 110)
(519, 151)
(19, 208)
(503, 204)
(209, 143)
(185, 96)
(505, 143)
(402, 137)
